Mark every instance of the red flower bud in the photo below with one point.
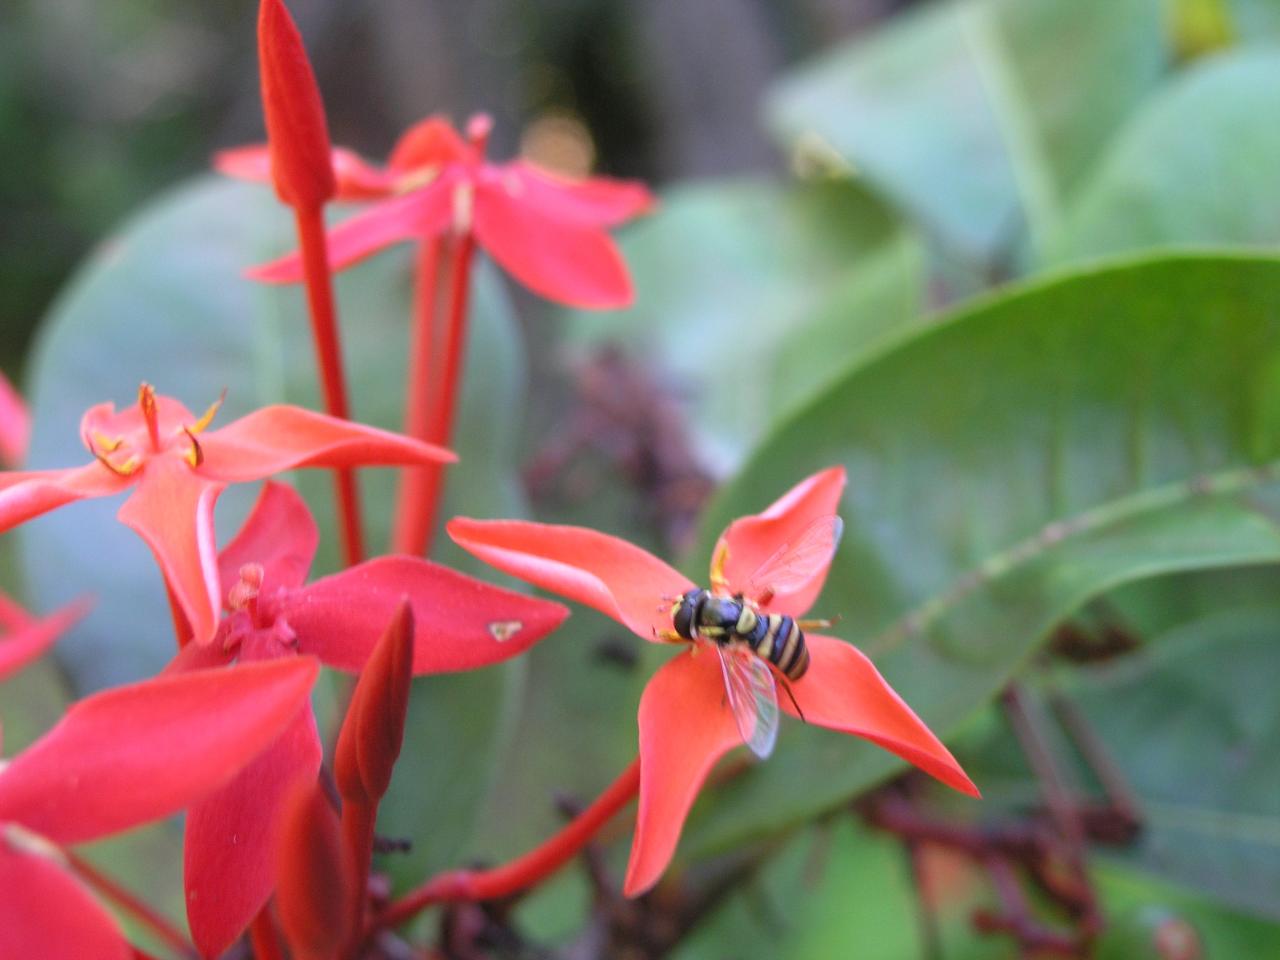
(301, 165)
(313, 887)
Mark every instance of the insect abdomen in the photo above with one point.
(783, 645)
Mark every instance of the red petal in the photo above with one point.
(279, 535)
(599, 201)
(28, 494)
(428, 143)
(232, 836)
(844, 691)
(46, 912)
(313, 893)
(274, 439)
(423, 213)
(685, 727)
(373, 729)
(461, 623)
(15, 424)
(357, 179)
(297, 133)
(33, 639)
(172, 510)
(141, 752)
(753, 540)
(613, 576)
(563, 260)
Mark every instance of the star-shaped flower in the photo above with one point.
(116, 760)
(461, 624)
(549, 231)
(694, 709)
(177, 468)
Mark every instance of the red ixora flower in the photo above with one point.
(179, 468)
(686, 720)
(461, 624)
(549, 231)
(116, 760)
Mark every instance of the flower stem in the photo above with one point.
(411, 527)
(357, 837)
(126, 901)
(264, 937)
(523, 872)
(324, 329)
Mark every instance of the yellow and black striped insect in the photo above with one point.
(751, 641)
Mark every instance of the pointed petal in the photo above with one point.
(314, 885)
(251, 162)
(274, 439)
(232, 836)
(33, 639)
(297, 132)
(563, 260)
(415, 216)
(143, 751)
(15, 424)
(428, 143)
(613, 576)
(279, 535)
(598, 201)
(844, 691)
(461, 623)
(357, 179)
(753, 540)
(373, 729)
(24, 495)
(172, 510)
(46, 912)
(685, 727)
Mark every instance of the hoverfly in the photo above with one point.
(750, 643)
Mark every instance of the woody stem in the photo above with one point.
(523, 872)
(324, 329)
(411, 527)
(129, 903)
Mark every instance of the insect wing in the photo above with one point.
(753, 697)
(796, 562)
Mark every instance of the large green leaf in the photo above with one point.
(749, 295)
(164, 301)
(1008, 464)
(968, 115)
(1193, 168)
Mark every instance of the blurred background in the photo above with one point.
(1012, 262)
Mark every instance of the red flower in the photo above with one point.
(28, 637)
(549, 231)
(119, 759)
(686, 721)
(179, 470)
(461, 624)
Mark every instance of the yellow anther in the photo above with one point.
(721, 557)
(207, 417)
(195, 455)
(104, 443)
(147, 403)
(416, 180)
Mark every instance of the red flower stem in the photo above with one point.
(412, 527)
(324, 329)
(126, 901)
(445, 406)
(358, 821)
(264, 937)
(523, 872)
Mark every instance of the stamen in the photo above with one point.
(464, 201)
(150, 413)
(104, 443)
(194, 456)
(202, 424)
(416, 179)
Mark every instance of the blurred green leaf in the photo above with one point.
(1005, 466)
(164, 301)
(1195, 167)
(977, 116)
(750, 294)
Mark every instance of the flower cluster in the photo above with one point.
(227, 732)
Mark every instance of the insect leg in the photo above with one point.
(816, 624)
(791, 696)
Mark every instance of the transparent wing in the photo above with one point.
(797, 561)
(753, 697)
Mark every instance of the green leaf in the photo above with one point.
(1195, 167)
(164, 301)
(966, 113)
(1008, 464)
(746, 322)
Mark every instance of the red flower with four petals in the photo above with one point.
(686, 723)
